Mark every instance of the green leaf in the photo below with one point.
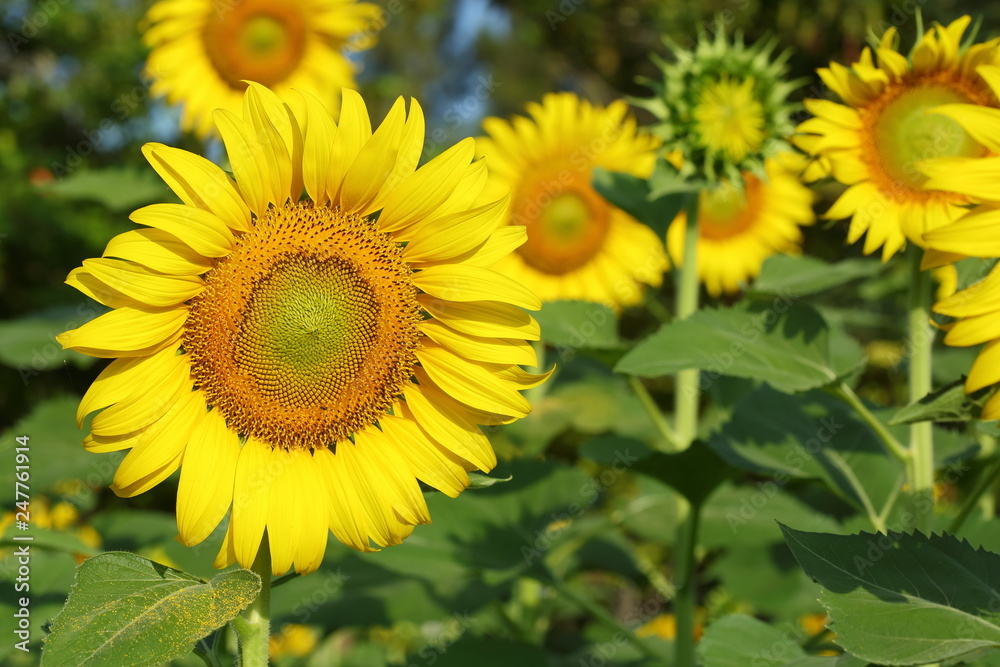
(117, 188)
(126, 610)
(632, 195)
(945, 404)
(52, 540)
(803, 275)
(739, 640)
(484, 652)
(784, 344)
(609, 449)
(56, 453)
(578, 325)
(29, 343)
(904, 599)
(812, 435)
(694, 473)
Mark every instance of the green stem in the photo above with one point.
(601, 614)
(685, 601)
(984, 482)
(654, 412)
(844, 392)
(254, 625)
(686, 397)
(921, 470)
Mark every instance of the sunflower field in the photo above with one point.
(534, 333)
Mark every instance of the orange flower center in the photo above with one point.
(306, 332)
(727, 211)
(255, 40)
(567, 222)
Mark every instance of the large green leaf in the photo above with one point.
(739, 640)
(126, 610)
(694, 473)
(945, 404)
(803, 275)
(809, 436)
(572, 325)
(782, 343)
(904, 599)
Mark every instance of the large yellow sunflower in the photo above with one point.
(579, 246)
(204, 51)
(306, 360)
(876, 141)
(739, 226)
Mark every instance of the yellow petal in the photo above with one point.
(251, 499)
(147, 402)
(99, 291)
(366, 497)
(121, 378)
(272, 154)
(199, 183)
(253, 176)
(347, 518)
(320, 134)
(973, 235)
(375, 161)
(126, 332)
(205, 233)
(985, 369)
(974, 330)
(392, 476)
(445, 419)
(478, 348)
(314, 531)
(159, 251)
(141, 284)
(471, 383)
(981, 123)
(420, 195)
(472, 283)
(264, 106)
(449, 237)
(353, 131)
(431, 463)
(285, 511)
(158, 452)
(483, 318)
(208, 471)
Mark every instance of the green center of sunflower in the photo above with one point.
(255, 40)
(730, 120)
(565, 230)
(306, 331)
(727, 210)
(905, 134)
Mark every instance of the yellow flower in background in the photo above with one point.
(579, 246)
(739, 226)
(204, 51)
(306, 361)
(294, 640)
(889, 125)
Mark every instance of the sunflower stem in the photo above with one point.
(685, 601)
(254, 630)
(921, 340)
(655, 414)
(686, 398)
(985, 481)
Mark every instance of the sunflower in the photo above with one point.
(305, 360)
(722, 104)
(741, 224)
(204, 51)
(579, 246)
(877, 141)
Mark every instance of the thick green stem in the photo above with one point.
(685, 601)
(254, 626)
(686, 398)
(921, 469)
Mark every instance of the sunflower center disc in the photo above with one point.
(726, 210)
(565, 230)
(905, 134)
(255, 40)
(305, 333)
